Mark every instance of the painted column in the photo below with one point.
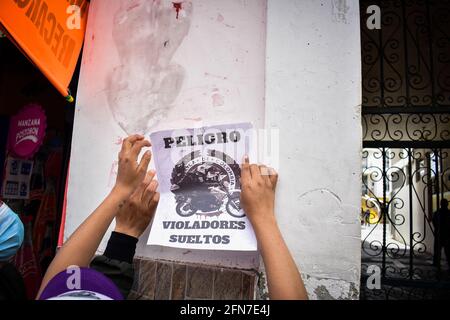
(313, 95)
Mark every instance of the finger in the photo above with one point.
(264, 171)
(130, 140)
(144, 184)
(137, 147)
(149, 192)
(138, 192)
(154, 201)
(151, 174)
(148, 179)
(273, 177)
(153, 185)
(245, 170)
(145, 160)
(256, 174)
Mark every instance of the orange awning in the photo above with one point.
(40, 28)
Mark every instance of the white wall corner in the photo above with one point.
(313, 96)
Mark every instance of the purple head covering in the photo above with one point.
(81, 283)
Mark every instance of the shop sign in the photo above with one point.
(27, 131)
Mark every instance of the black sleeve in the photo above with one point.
(117, 261)
(121, 247)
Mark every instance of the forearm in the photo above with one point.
(83, 243)
(283, 278)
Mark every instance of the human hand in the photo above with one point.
(130, 173)
(137, 212)
(258, 185)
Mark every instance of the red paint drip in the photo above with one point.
(177, 6)
(118, 141)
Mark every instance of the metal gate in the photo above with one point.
(402, 189)
(406, 141)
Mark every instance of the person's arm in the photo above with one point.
(82, 244)
(131, 221)
(258, 185)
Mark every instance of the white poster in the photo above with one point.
(16, 184)
(198, 172)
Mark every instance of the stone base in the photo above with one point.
(164, 280)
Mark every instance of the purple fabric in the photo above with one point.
(91, 280)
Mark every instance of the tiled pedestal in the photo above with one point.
(168, 280)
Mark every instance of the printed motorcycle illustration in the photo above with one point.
(204, 203)
(205, 189)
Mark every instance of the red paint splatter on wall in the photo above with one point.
(177, 6)
(217, 100)
(113, 173)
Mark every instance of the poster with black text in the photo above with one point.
(199, 180)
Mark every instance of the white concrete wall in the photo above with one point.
(313, 95)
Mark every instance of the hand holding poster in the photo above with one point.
(198, 172)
